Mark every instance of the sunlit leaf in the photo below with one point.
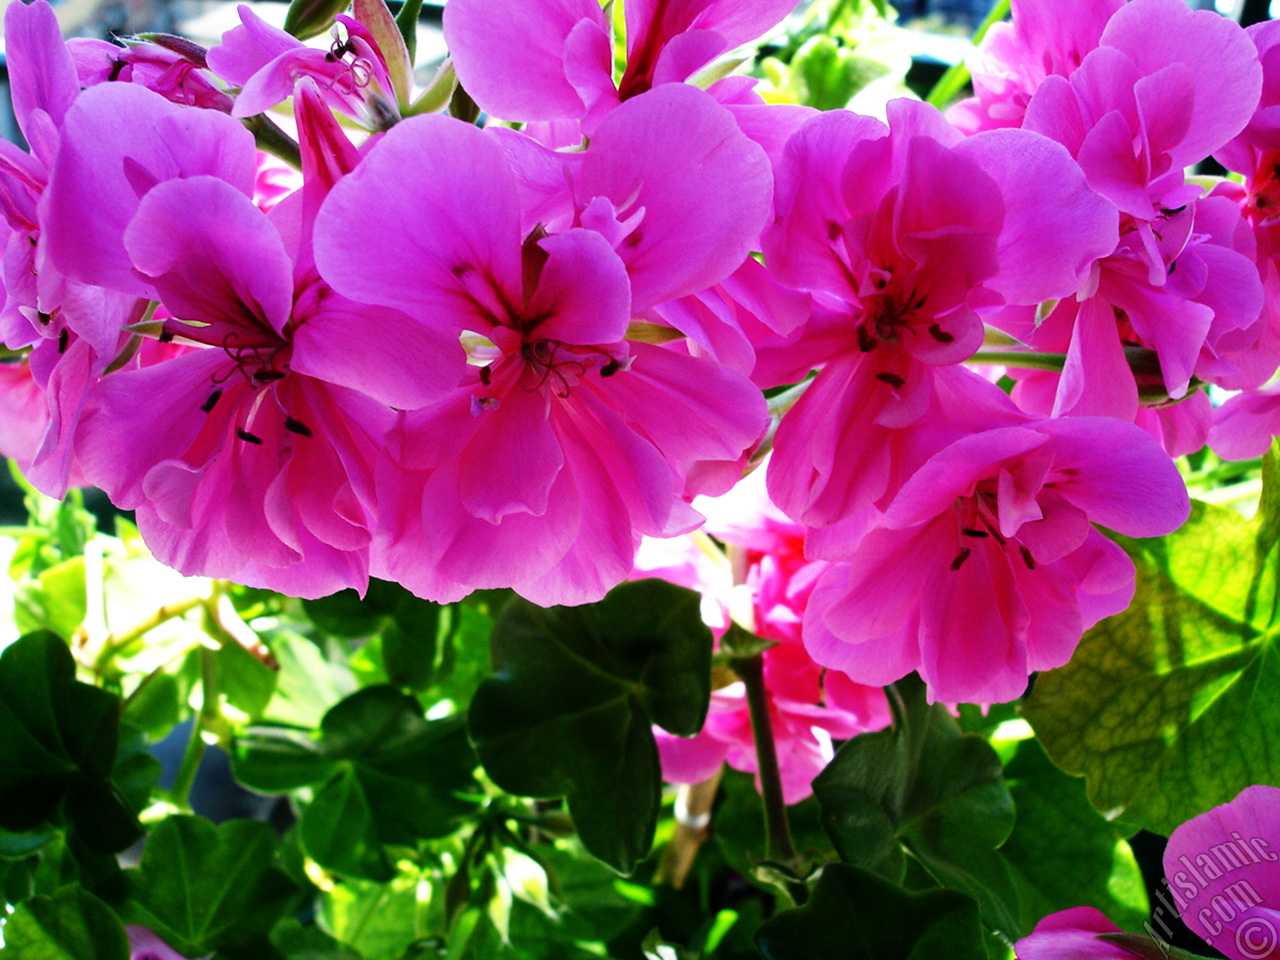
(70, 925)
(1170, 708)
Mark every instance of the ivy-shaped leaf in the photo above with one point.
(1170, 708)
(385, 775)
(856, 915)
(59, 741)
(1062, 852)
(70, 925)
(569, 711)
(926, 787)
(202, 888)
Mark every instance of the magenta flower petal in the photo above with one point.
(213, 257)
(1217, 53)
(1055, 226)
(1225, 867)
(1072, 935)
(119, 141)
(704, 189)
(443, 244)
(41, 74)
(510, 54)
(246, 49)
(582, 290)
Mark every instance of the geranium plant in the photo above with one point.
(605, 505)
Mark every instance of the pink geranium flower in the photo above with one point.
(145, 945)
(907, 236)
(553, 59)
(252, 457)
(808, 707)
(353, 75)
(1073, 934)
(986, 566)
(563, 442)
(173, 67)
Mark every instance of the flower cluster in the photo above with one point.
(464, 357)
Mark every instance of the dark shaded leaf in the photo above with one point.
(856, 915)
(569, 711)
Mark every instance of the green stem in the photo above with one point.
(209, 712)
(1023, 359)
(271, 139)
(953, 81)
(779, 847)
(117, 642)
(407, 22)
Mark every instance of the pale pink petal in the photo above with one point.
(120, 140)
(703, 187)
(213, 257)
(509, 54)
(441, 246)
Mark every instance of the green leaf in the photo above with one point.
(856, 915)
(19, 846)
(246, 682)
(1169, 708)
(338, 831)
(155, 708)
(296, 942)
(55, 601)
(70, 925)
(279, 759)
(379, 920)
(1062, 852)
(59, 739)
(925, 786)
(569, 711)
(385, 774)
(308, 684)
(407, 628)
(136, 772)
(201, 888)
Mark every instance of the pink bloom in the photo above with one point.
(145, 945)
(265, 62)
(986, 567)
(73, 327)
(172, 66)
(807, 709)
(1223, 869)
(253, 457)
(563, 443)
(1042, 39)
(908, 235)
(1073, 934)
(1135, 114)
(1244, 426)
(553, 59)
